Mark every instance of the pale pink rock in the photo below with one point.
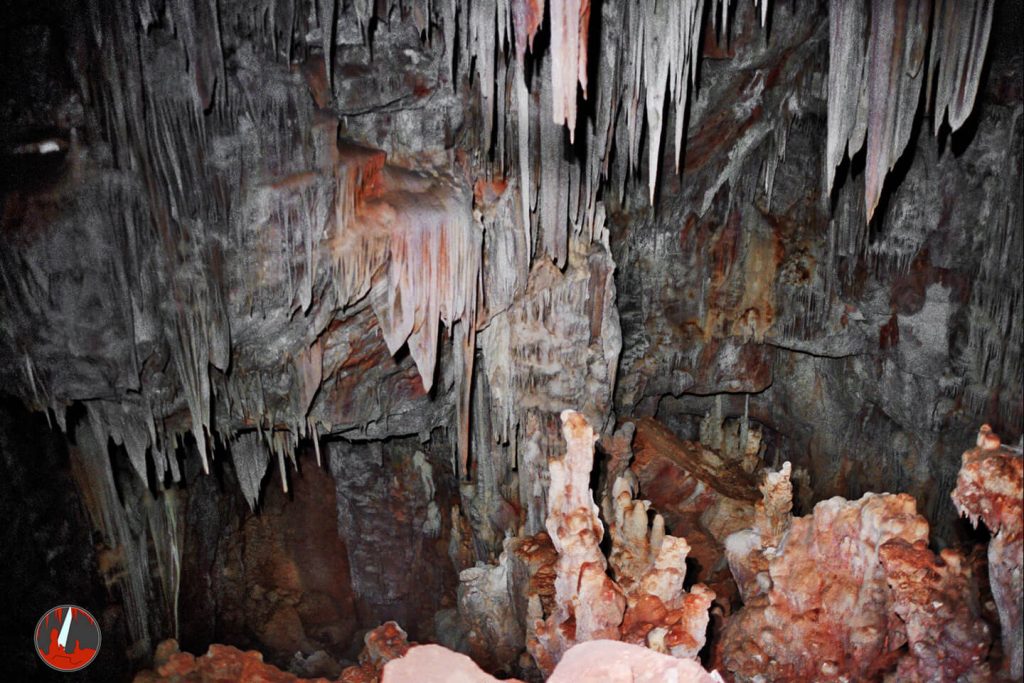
(433, 663)
(612, 661)
(588, 604)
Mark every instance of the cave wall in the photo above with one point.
(871, 351)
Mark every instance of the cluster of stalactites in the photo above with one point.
(411, 239)
(881, 54)
(633, 79)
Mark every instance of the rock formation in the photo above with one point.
(616, 662)
(588, 605)
(989, 489)
(822, 586)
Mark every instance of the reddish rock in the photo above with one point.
(220, 664)
(283, 583)
(822, 609)
(938, 603)
(990, 488)
(703, 496)
(384, 643)
(537, 556)
(682, 478)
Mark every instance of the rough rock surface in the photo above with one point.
(220, 663)
(990, 488)
(600, 660)
(282, 584)
(391, 513)
(938, 603)
(825, 589)
(750, 283)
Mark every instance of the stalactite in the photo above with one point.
(847, 97)
(895, 74)
(875, 86)
(570, 23)
(250, 456)
(328, 12)
(91, 469)
(959, 42)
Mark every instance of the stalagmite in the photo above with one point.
(650, 566)
(584, 594)
(823, 584)
(990, 488)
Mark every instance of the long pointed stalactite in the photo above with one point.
(883, 52)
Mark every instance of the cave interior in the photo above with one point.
(475, 340)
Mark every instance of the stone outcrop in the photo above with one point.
(822, 589)
(936, 598)
(989, 489)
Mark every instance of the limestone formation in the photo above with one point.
(989, 489)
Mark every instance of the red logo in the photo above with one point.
(67, 638)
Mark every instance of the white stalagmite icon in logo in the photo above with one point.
(65, 629)
(67, 638)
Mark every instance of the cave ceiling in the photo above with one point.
(253, 224)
